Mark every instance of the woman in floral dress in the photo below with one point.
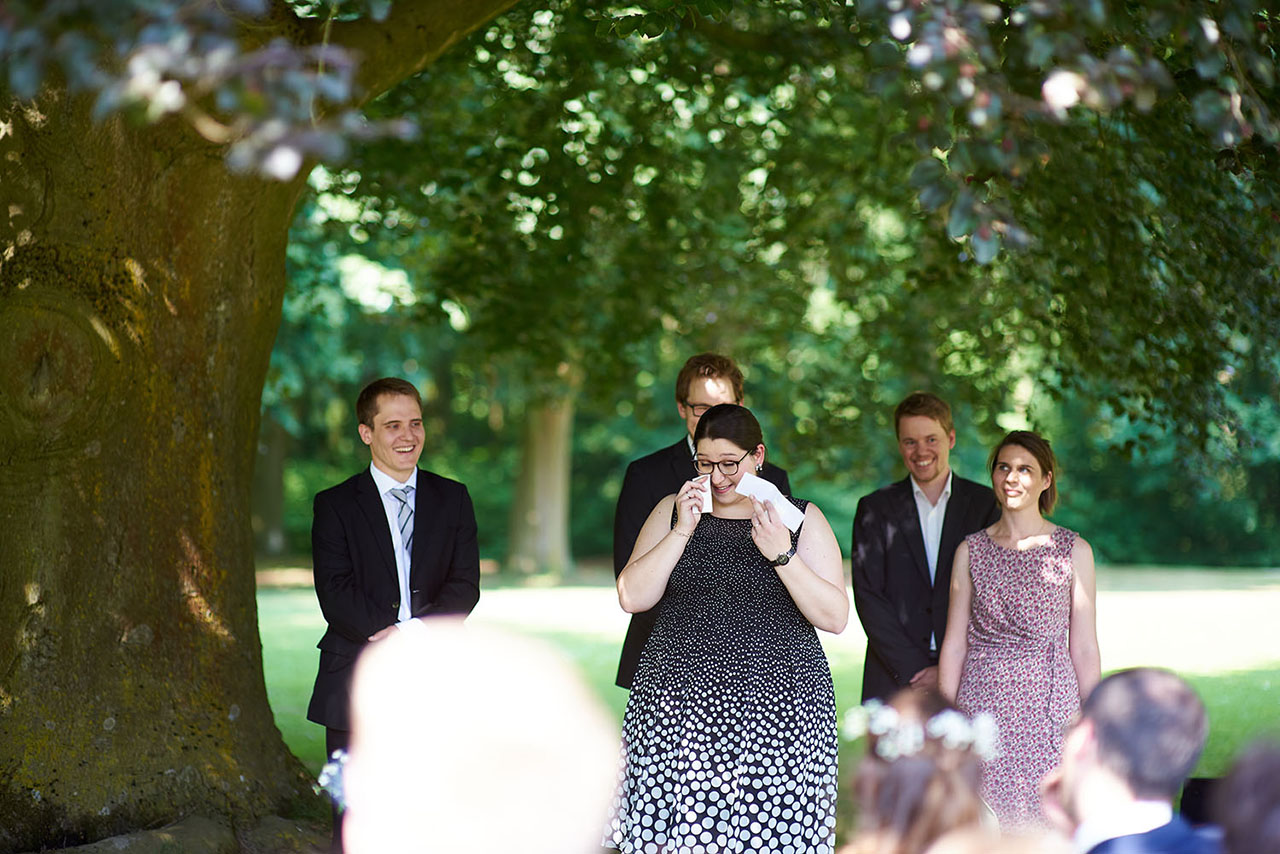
(1021, 642)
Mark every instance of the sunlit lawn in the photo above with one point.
(1218, 628)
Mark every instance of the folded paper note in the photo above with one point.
(705, 480)
(762, 490)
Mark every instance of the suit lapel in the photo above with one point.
(680, 460)
(426, 518)
(953, 520)
(909, 519)
(375, 514)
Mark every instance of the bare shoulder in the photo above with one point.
(1081, 550)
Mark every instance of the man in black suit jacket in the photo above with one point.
(705, 380)
(904, 539)
(1139, 735)
(379, 565)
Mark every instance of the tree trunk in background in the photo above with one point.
(268, 489)
(140, 290)
(540, 513)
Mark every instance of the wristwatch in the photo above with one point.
(784, 558)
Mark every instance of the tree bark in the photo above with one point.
(540, 512)
(140, 290)
(139, 296)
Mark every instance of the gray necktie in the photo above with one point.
(404, 516)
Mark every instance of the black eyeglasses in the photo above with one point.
(728, 468)
(699, 409)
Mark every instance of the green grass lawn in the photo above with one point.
(1215, 628)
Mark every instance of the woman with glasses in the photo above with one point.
(729, 738)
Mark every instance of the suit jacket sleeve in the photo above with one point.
(343, 598)
(886, 637)
(461, 588)
(629, 516)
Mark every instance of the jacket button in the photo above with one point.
(395, 606)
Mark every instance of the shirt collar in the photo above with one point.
(1125, 820)
(386, 482)
(919, 493)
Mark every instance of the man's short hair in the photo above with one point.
(709, 366)
(1150, 727)
(367, 402)
(923, 403)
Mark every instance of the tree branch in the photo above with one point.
(413, 36)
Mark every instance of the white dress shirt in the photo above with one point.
(1125, 820)
(391, 505)
(931, 517)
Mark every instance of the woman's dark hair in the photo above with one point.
(729, 421)
(1038, 447)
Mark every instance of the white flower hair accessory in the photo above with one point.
(897, 737)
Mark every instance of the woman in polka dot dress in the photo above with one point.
(729, 738)
(1021, 642)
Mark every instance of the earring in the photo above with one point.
(760, 468)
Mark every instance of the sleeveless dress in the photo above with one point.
(1018, 667)
(729, 737)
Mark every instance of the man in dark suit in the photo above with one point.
(1139, 735)
(904, 538)
(705, 380)
(390, 545)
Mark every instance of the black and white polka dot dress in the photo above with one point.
(729, 738)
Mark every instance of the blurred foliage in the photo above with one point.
(787, 183)
(274, 101)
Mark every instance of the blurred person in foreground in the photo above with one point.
(497, 747)
(1139, 736)
(705, 380)
(919, 777)
(729, 737)
(1246, 802)
(1021, 641)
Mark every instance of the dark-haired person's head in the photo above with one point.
(1246, 803)
(729, 421)
(368, 401)
(727, 444)
(390, 414)
(706, 380)
(1149, 727)
(1017, 448)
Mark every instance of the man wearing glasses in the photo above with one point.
(705, 380)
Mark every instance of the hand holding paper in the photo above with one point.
(762, 491)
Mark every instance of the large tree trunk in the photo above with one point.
(140, 290)
(540, 513)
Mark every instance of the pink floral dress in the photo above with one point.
(1018, 668)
